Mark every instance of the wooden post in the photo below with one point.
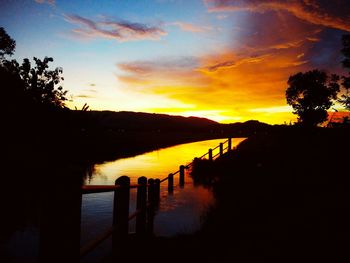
(182, 175)
(151, 191)
(157, 191)
(229, 144)
(170, 183)
(221, 148)
(60, 217)
(121, 213)
(141, 205)
(150, 210)
(210, 154)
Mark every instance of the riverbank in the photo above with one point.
(285, 194)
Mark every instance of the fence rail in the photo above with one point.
(148, 197)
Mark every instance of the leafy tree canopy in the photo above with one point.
(311, 94)
(7, 44)
(38, 83)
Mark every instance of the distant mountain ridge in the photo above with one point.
(141, 121)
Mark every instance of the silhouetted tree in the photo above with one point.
(345, 98)
(7, 44)
(311, 94)
(38, 84)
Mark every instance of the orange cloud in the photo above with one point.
(309, 11)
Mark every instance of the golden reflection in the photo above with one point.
(156, 164)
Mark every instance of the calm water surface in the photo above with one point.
(179, 213)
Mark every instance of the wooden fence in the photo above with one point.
(147, 200)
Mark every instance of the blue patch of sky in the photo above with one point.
(153, 14)
(326, 54)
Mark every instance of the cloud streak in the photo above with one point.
(50, 2)
(118, 30)
(307, 10)
(188, 27)
(159, 71)
(236, 63)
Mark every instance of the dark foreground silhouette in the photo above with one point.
(281, 195)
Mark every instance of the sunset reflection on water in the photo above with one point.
(156, 164)
(179, 212)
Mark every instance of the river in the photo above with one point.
(179, 213)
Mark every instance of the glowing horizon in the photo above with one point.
(224, 60)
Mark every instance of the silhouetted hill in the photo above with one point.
(95, 136)
(245, 129)
(139, 121)
(126, 121)
(108, 134)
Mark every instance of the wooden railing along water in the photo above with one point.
(147, 200)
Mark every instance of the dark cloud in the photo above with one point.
(333, 14)
(335, 8)
(225, 64)
(119, 30)
(282, 35)
(83, 96)
(326, 54)
(276, 31)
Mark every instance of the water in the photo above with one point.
(179, 213)
(47, 212)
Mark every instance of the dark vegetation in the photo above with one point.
(311, 94)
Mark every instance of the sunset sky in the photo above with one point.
(225, 60)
